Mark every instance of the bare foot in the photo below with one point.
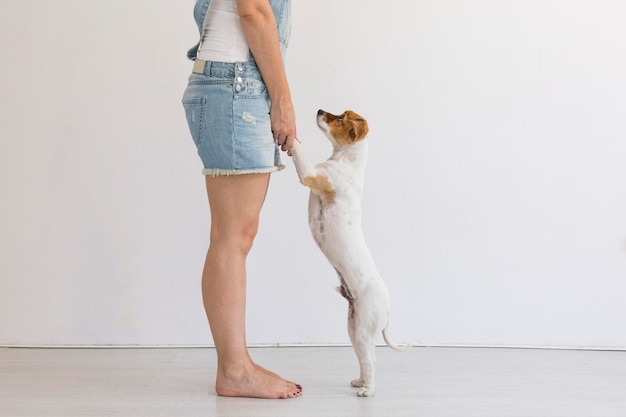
(252, 381)
(267, 371)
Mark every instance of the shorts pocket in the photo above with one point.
(194, 111)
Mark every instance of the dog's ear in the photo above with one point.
(358, 129)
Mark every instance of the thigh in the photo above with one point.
(236, 201)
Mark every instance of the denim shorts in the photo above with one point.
(227, 108)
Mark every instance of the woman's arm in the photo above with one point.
(259, 26)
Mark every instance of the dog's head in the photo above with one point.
(342, 130)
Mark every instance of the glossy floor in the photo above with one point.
(426, 382)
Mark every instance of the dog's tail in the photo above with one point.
(398, 348)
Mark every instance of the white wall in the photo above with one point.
(495, 193)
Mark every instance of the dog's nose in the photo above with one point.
(320, 112)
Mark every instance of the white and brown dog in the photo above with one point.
(335, 220)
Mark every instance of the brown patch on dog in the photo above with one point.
(321, 187)
(347, 128)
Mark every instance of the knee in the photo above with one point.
(239, 238)
(246, 238)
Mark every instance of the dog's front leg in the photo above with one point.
(303, 166)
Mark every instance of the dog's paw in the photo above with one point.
(357, 383)
(365, 392)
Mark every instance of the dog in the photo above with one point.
(335, 220)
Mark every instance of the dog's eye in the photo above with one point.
(340, 119)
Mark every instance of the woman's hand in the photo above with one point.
(283, 121)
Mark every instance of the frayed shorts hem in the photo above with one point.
(215, 172)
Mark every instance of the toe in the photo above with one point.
(365, 392)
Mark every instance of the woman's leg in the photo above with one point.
(235, 203)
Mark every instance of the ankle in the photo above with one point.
(234, 369)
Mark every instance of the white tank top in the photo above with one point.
(223, 39)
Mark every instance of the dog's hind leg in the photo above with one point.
(364, 346)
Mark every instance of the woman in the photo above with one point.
(239, 109)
